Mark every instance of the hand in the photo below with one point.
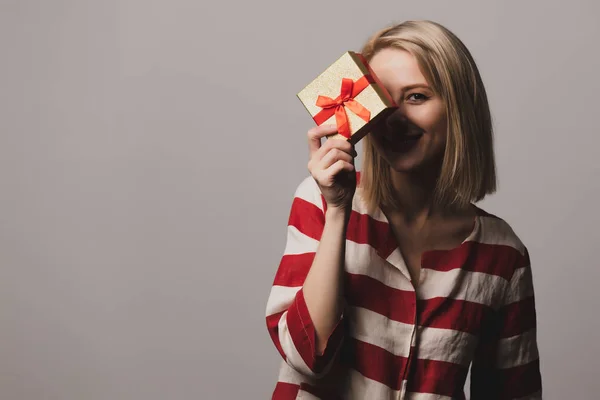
(332, 167)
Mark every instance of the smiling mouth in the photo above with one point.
(402, 144)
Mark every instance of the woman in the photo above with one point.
(393, 282)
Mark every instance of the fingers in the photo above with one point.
(331, 157)
(319, 152)
(339, 166)
(334, 155)
(339, 144)
(327, 177)
(315, 134)
(331, 152)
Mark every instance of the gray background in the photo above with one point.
(149, 151)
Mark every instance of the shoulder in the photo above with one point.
(308, 191)
(497, 231)
(501, 244)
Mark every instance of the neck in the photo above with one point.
(414, 195)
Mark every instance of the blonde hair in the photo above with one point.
(468, 171)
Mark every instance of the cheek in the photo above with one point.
(431, 118)
(375, 135)
(441, 129)
(376, 143)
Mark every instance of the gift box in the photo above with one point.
(349, 95)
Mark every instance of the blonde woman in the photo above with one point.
(393, 283)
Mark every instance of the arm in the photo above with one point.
(306, 301)
(506, 364)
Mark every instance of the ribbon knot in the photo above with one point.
(337, 106)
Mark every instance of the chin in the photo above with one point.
(410, 156)
(405, 164)
(412, 162)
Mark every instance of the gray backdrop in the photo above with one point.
(149, 151)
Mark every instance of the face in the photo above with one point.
(414, 136)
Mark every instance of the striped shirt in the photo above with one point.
(474, 306)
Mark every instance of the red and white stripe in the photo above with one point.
(398, 343)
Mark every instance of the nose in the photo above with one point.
(397, 119)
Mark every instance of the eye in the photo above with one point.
(417, 97)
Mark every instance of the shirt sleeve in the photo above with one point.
(288, 320)
(506, 363)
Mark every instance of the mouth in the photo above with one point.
(401, 144)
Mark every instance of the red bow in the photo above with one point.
(337, 106)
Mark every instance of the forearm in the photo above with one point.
(323, 287)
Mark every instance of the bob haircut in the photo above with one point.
(468, 171)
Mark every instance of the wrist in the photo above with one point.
(338, 212)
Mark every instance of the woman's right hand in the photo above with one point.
(332, 167)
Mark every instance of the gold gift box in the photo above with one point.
(347, 94)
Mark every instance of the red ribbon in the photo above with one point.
(337, 106)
